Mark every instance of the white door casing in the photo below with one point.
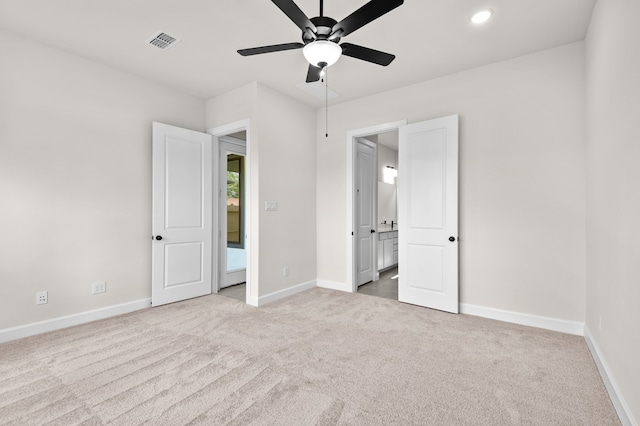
(428, 214)
(365, 197)
(182, 214)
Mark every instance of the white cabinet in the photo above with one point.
(388, 252)
(387, 249)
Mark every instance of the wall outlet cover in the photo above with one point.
(99, 287)
(42, 297)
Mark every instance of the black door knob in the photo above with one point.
(452, 239)
(158, 237)
(373, 231)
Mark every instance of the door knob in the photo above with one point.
(158, 237)
(452, 239)
(373, 231)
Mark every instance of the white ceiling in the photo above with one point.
(430, 38)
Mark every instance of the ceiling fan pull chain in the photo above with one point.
(326, 102)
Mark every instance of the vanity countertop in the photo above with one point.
(387, 227)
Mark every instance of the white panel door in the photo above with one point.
(428, 214)
(365, 186)
(182, 214)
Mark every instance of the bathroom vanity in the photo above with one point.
(387, 247)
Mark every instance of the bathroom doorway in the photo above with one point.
(376, 202)
(427, 212)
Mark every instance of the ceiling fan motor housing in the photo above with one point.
(324, 26)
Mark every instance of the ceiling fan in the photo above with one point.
(321, 34)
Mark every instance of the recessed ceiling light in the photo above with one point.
(481, 16)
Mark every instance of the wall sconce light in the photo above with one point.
(389, 174)
(391, 171)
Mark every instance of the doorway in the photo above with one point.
(232, 234)
(376, 212)
(187, 205)
(427, 198)
(371, 134)
(232, 216)
(366, 191)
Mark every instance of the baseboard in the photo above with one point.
(555, 324)
(70, 320)
(626, 417)
(281, 294)
(332, 285)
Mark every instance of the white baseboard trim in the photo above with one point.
(70, 320)
(281, 294)
(332, 285)
(626, 417)
(554, 324)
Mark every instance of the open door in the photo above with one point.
(182, 214)
(428, 214)
(365, 180)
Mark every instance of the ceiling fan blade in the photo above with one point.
(313, 74)
(269, 49)
(295, 14)
(361, 17)
(366, 54)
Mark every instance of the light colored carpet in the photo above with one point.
(320, 357)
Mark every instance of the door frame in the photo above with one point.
(352, 281)
(217, 133)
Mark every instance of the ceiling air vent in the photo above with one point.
(163, 40)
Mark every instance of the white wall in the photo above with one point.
(522, 178)
(613, 198)
(283, 169)
(288, 176)
(75, 180)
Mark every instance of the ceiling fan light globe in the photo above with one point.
(320, 51)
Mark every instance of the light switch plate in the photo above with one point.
(271, 206)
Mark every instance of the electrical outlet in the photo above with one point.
(42, 298)
(285, 272)
(99, 287)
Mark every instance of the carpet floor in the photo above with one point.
(321, 357)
